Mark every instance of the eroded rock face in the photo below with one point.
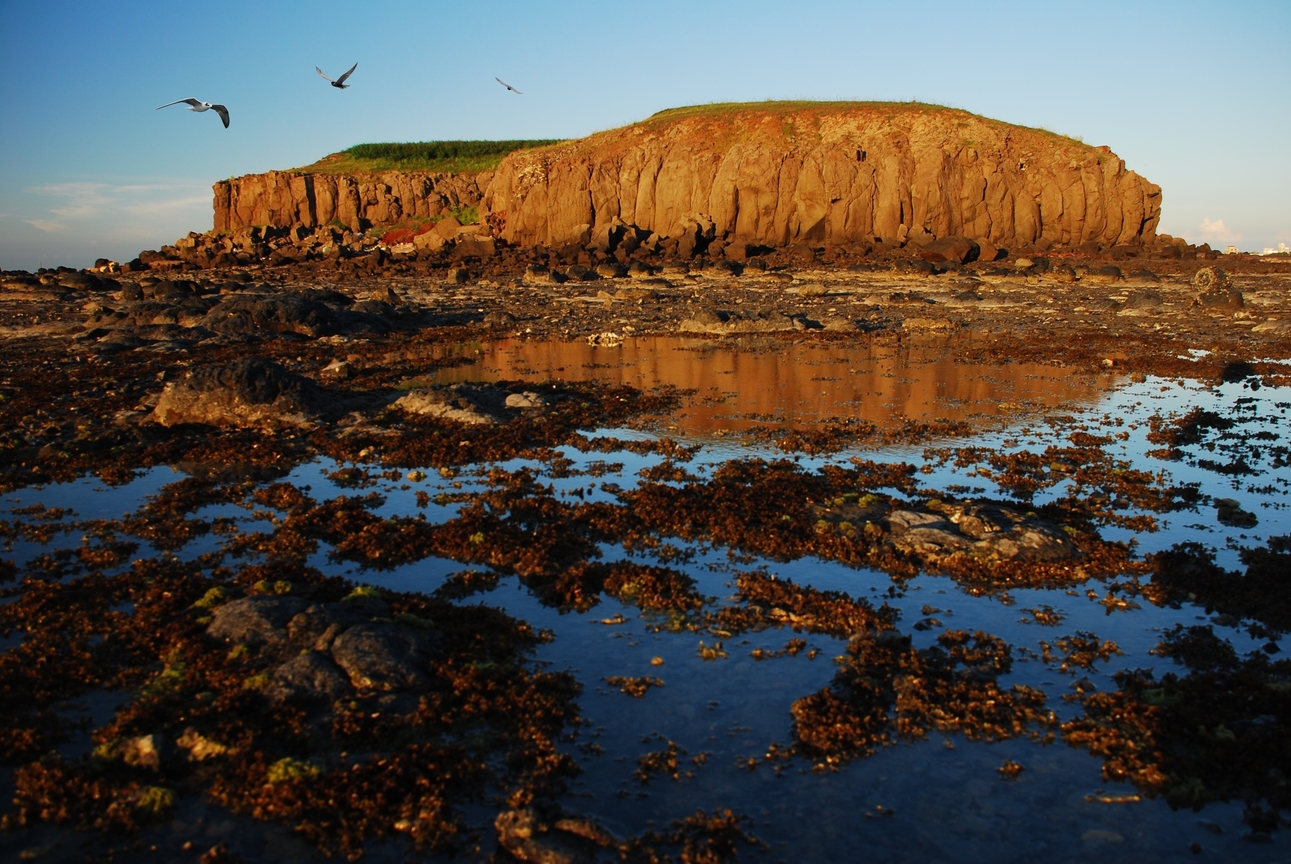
(248, 392)
(830, 175)
(285, 199)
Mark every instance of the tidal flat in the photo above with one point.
(412, 570)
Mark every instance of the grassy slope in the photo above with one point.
(716, 110)
(432, 156)
(473, 156)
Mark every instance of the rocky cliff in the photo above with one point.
(777, 174)
(285, 199)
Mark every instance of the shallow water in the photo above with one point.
(931, 800)
(793, 385)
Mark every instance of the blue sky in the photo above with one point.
(1194, 96)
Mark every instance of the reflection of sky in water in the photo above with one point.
(949, 802)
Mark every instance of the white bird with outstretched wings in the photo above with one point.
(199, 105)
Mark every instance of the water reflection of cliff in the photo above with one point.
(793, 384)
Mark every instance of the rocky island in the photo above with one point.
(284, 642)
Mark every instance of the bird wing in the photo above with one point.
(347, 74)
(193, 102)
(223, 112)
(320, 72)
(506, 85)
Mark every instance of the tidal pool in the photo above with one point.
(793, 385)
(704, 715)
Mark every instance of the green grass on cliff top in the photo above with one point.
(781, 106)
(718, 109)
(447, 156)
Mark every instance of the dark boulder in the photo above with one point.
(307, 677)
(959, 250)
(169, 289)
(382, 656)
(248, 392)
(255, 620)
(250, 315)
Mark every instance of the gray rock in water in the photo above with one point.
(930, 542)
(900, 521)
(985, 530)
(383, 656)
(526, 401)
(309, 676)
(472, 404)
(248, 392)
(255, 620)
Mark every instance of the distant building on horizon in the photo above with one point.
(1230, 250)
(1281, 250)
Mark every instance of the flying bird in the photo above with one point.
(339, 83)
(199, 105)
(506, 85)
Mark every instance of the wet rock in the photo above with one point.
(309, 676)
(199, 747)
(321, 623)
(472, 404)
(930, 542)
(385, 656)
(1229, 512)
(987, 530)
(526, 401)
(528, 837)
(255, 620)
(900, 521)
(248, 392)
(146, 751)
